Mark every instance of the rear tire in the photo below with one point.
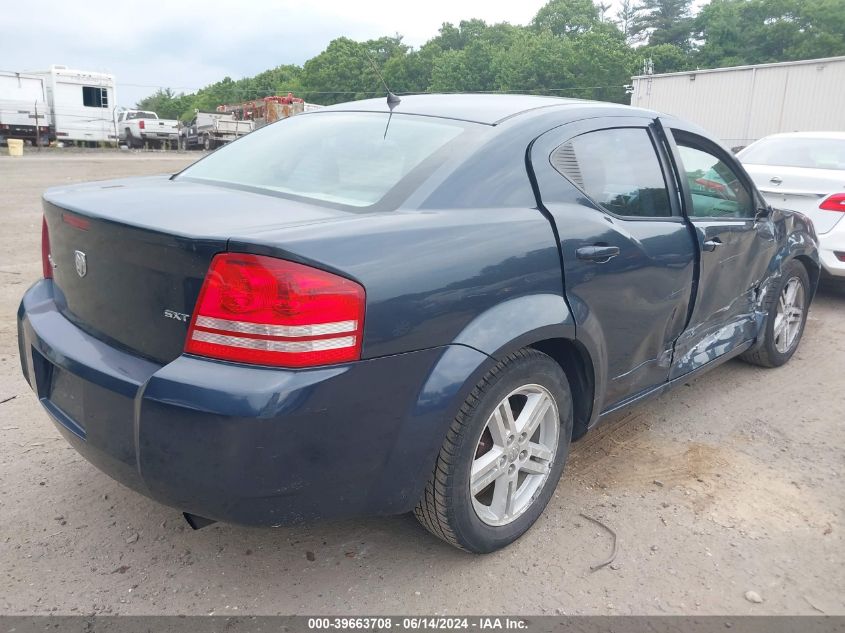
(786, 306)
(492, 452)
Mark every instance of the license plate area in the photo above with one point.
(66, 393)
(61, 393)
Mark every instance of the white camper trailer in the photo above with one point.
(23, 107)
(82, 104)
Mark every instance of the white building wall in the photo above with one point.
(740, 105)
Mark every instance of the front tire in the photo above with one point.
(502, 457)
(787, 307)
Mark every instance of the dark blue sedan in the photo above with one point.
(380, 308)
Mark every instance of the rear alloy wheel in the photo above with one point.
(513, 455)
(502, 456)
(787, 307)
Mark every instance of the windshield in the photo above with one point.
(346, 158)
(785, 151)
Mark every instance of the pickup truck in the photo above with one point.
(209, 130)
(138, 128)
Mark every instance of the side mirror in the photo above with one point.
(762, 213)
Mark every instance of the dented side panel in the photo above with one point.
(723, 315)
(720, 322)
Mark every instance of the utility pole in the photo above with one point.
(37, 129)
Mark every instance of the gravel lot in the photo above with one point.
(730, 484)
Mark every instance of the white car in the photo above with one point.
(805, 171)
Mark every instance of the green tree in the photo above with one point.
(344, 71)
(667, 58)
(536, 63)
(568, 49)
(163, 102)
(736, 32)
(665, 22)
(626, 18)
(566, 17)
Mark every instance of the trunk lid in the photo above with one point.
(800, 189)
(130, 256)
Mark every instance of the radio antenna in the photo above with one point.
(392, 99)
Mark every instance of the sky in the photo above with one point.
(187, 44)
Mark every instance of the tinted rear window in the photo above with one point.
(619, 169)
(815, 153)
(345, 158)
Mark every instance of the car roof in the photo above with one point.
(490, 109)
(839, 136)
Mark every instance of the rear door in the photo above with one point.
(628, 255)
(735, 241)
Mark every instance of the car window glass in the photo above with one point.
(792, 151)
(617, 168)
(716, 190)
(347, 158)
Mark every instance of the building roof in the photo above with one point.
(800, 62)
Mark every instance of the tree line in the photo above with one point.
(572, 48)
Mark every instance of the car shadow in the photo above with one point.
(831, 289)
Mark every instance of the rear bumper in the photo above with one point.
(243, 444)
(830, 244)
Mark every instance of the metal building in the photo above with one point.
(742, 104)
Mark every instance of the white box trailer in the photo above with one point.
(23, 107)
(82, 104)
(742, 104)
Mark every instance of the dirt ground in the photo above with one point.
(730, 484)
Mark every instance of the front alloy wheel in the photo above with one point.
(502, 456)
(790, 315)
(786, 304)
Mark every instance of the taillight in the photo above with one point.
(268, 311)
(141, 124)
(834, 202)
(46, 264)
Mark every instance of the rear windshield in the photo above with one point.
(345, 158)
(815, 153)
(141, 115)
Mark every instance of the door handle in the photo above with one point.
(598, 254)
(712, 245)
(775, 180)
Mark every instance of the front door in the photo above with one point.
(628, 254)
(732, 229)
